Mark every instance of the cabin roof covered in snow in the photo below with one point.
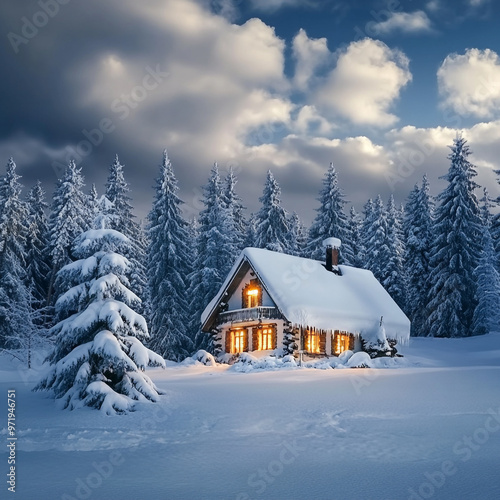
(309, 295)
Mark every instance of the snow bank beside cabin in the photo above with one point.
(246, 362)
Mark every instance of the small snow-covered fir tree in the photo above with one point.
(394, 270)
(366, 228)
(495, 228)
(69, 217)
(298, 236)
(215, 255)
(169, 265)
(37, 259)
(417, 226)
(487, 313)
(272, 230)
(354, 228)
(15, 300)
(251, 232)
(375, 235)
(123, 220)
(455, 249)
(330, 221)
(99, 359)
(236, 209)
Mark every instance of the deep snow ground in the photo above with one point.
(428, 430)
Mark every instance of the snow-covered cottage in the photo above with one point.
(284, 304)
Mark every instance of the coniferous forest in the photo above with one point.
(84, 268)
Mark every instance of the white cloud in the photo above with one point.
(404, 22)
(366, 81)
(224, 81)
(309, 54)
(310, 121)
(470, 83)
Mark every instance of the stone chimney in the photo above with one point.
(332, 246)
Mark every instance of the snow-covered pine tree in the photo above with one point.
(486, 204)
(394, 270)
(455, 249)
(236, 209)
(272, 230)
(354, 225)
(366, 226)
(251, 231)
(216, 253)
(417, 227)
(495, 228)
(68, 218)
(330, 221)
(93, 204)
(375, 235)
(169, 264)
(123, 220)
(487, 313)
(15, 300)
(37, 260)
(298, 236)
(99, 358)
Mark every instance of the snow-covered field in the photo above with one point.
(430, 429)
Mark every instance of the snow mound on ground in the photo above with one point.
(360, 360)
(200, 357)
(345, 356)
(246, 363)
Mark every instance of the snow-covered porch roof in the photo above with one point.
(309, 295)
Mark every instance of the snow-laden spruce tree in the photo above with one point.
(122, 219)
(37, 258)
(69, 217)
(330, 220)
(215, 254)
(169, 264)
(394, 269)
(15, 300)
(417, 226)
(487, 313)
(455, 249)
(354, 228)
(236, 209)
(298, 236)
(272, 231)
(375, 239)
(495, 228)
(99, 358)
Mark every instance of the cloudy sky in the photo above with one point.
(378, 87)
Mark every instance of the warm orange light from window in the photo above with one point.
(341, 343)
(265, 339)
(253, 297)
(312, 342)
(237, 341)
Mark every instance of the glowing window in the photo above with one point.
(237, 341)
(252, 296)
(266, 339)
(312, 342)
(341, 342)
